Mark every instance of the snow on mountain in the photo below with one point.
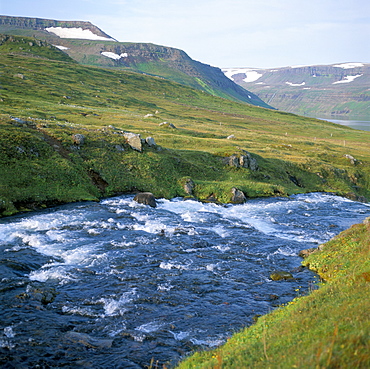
(348, 79)
(78, 33)
(251, 75)
(348, 65)
(295, 84)
(114, 56)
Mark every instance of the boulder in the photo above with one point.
(238, 196)
(230, 137)
(134, 140)
(146, 198)
(307, 252)
(78, 139)
(280, 275)
(150, 141)
(189, 186)
(166, 124)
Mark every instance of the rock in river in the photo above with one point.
(146, 198)
(279, 275)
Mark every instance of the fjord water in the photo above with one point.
(116, 284)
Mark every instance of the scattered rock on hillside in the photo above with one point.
(238, 196)
(119, 148)
(352, 159)
(166, 124)
(78, 139)
(148, 115)
(146, 198)
(150, 141)
(230, 137)
(134, 140)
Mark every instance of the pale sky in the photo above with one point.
(226, 33)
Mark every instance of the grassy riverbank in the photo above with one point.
(329, 328)
(46, 98)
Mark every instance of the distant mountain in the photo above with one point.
(337, 91)
(89, 45)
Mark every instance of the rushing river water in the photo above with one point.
(116, 284)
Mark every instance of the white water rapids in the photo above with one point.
(116, 283)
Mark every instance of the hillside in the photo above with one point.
(338, 91)
(63, 138)
(89, 45)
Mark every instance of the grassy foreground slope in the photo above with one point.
(46, 98)
(329, 328)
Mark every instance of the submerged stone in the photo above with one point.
(280, 275)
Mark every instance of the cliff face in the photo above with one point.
(41, 24)
(338, 91)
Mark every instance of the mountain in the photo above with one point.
(89, 45)
(337, 91)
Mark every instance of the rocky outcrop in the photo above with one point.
(146, 198)
(189, 187)
(243, 161)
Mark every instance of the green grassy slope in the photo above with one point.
(45, 100)
(329, 328)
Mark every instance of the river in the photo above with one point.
(116, 284)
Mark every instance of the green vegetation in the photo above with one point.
(329, 328)
(45, 100)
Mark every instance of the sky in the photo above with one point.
(226, 33)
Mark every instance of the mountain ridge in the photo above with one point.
(162, 61)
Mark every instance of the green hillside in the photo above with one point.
(338, 91)
(167, 62)
(45, 100)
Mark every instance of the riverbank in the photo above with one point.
(329, 328)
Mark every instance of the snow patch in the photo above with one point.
(348, 65)
(114, 56)
(79, 33)
(348, 79)
(61, 47)
(251, 74)
(295, 84)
